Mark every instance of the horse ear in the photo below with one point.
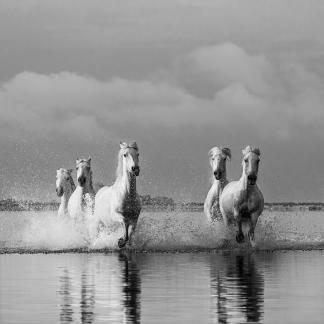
(227, 152)
(89, 159)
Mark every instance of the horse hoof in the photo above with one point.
(239, 237)
(121, 243)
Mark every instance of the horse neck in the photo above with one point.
(221, 183)
(88, 187)
(244, 185)
(126, 183)
(66, 196)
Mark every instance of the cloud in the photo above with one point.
(220, 85)
(209, 69)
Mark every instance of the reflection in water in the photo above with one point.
(132, 288)
(220, 287)
(115, 287)
(66, 310)
(87, 298)
(238, 287)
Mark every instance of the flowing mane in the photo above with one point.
(252, 149)
(72, 183)
(220, 150)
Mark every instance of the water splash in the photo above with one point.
(159, 231)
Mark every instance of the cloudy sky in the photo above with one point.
(179, 76)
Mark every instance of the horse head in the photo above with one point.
(217, 159)
(64, 181)
(130, 156)
(83, 167)
(250, 163)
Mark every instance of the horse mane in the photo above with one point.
(83, 160)
(251, 149)
(72, 183)
(123, 146)
(223, 150)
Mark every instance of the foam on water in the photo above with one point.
(162, 231)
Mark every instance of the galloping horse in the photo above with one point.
(120, 202)
(242, 200)
(82, 200)
(217, 159)
(64, 189)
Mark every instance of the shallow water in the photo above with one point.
(221, 287)
(162, 231)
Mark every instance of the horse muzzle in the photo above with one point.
(81, 181)
(136, 171)
(218, 175)
(59, 192)
(252, 179)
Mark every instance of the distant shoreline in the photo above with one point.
(152, 204)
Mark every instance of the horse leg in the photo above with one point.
(239, 235)
(253, 221)
(132, 231)
(123, 240)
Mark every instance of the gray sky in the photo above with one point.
(178, 76)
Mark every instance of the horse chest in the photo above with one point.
(129, 208)
(245, 205)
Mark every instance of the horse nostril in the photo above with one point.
(136, 170)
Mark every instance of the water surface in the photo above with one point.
(278, 282)
(221, 287)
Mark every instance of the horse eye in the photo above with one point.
(246, 160)
(125, 154)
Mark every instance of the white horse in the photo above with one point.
(120, 202)
(242, 200)
(81, 202)
(64, 189)
(217, 159)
